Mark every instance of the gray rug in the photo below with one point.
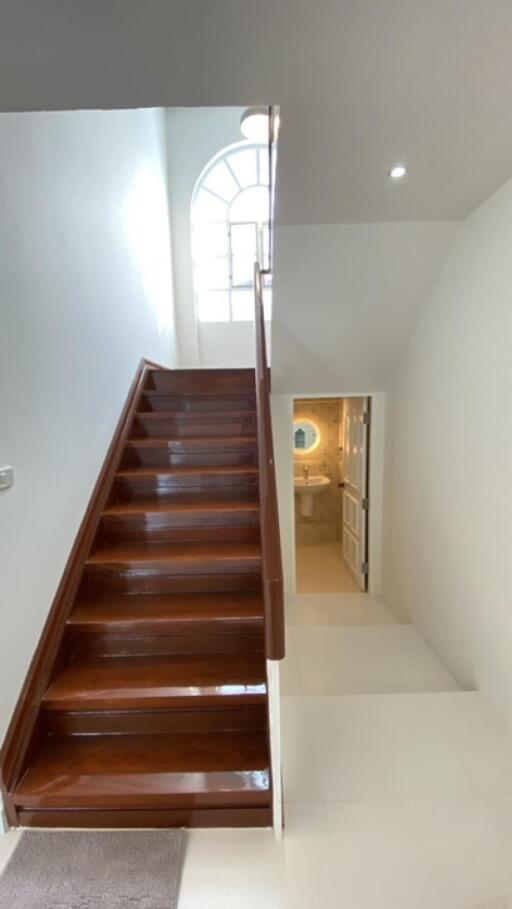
(128, 869)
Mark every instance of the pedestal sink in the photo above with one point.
(307, 488)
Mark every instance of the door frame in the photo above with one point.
(363, 493)
(375, 484)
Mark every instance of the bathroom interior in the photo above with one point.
(330, 457)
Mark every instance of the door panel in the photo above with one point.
(355, 480)
(351, 514)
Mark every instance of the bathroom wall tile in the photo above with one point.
(326, 522)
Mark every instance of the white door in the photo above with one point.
(356, 417)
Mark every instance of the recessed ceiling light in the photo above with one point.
(254, 124)
(398, 171)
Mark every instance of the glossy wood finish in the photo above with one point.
(202, 381)
(172, 624)
(152, 704)
(195, 452)
(194, 425)
(177, 614)
(170, 681)
(227, 770)
(152, 819)
(273, 589)
(177, 558)
(163, 402)
(164, 482)
(164, 521)
(149, 722)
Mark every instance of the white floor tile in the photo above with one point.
(479, 738)
(7, 843)
(288, 671)
(434, 854)
(302, 755)
(310, 876)
(383, 747)
(321, 569)
(338, 609)
(228, 869)
(366, 659)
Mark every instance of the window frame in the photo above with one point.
(260, 227)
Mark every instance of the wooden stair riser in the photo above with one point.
(115, 700)
(143, 568)
(158, 528)
(200, 770)
(212, 425)
(202, 381)
(159, 682)
(136, 818)
(188, 500)
(161, 402)
(90, 644)
(167, 457)
(156, 722)
(205, 613)
(99, 581)
(164, 487)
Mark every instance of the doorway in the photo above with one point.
(331, 493)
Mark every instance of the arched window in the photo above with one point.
(230, 230)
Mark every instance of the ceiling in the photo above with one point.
(361, 83)
(347, 298)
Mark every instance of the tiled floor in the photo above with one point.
(396, 799)
(352, 644)
(321, 569)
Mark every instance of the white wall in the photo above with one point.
(448, 529)
(195, 135)
(85, 292)
(282, 431)
(346, 299)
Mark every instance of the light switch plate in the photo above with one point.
(6, 477)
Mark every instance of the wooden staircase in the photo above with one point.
(149, 705)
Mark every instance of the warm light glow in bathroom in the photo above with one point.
(305, 423)
(398, 171)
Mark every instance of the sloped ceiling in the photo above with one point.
(361, 83)
(347, 298)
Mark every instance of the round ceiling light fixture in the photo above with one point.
(397, 171)
(255, 124)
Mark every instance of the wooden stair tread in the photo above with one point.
(183, 505)
(203, 381)
(154, 613)
(155, 710)
(188, 401)
(188, 471)
(195, 416)
(207, 770)
(196, 443)
(132, 554)
(167, 681)
(195, 393)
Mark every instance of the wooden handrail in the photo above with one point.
(273, 591)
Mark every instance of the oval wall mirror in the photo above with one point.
(306, 436)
